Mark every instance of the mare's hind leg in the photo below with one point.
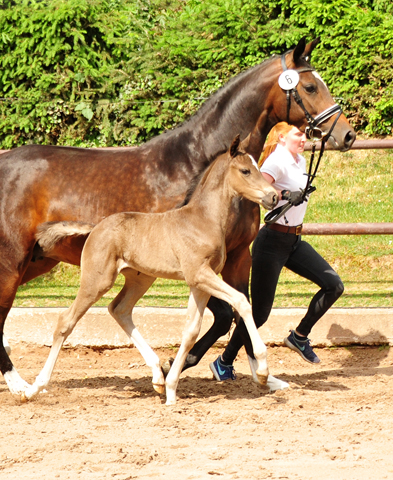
(11, 277)
(96, 279)
(121, 307)
(196, 306)
(9, 282)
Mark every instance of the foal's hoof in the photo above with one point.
(262, 379)
(23, 398)
(159, 388)
(276, 384)
(166, 366)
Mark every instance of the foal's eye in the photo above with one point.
(245, 171)
(310, 88)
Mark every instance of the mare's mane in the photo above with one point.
(216, 96)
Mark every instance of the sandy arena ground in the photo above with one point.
(101, 419)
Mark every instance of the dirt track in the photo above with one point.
(101, 419)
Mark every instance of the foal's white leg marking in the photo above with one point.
(215, 286)
(15, 382)
(6, 346)
(121, 310)
(43, 379)
(65, 325)
(196, 306)
(272, 382)
(89, 292)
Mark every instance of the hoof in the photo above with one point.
(159, 388)
(166, 366)
(6, 346)
(276, 384)
(262, 379)
(23, 398)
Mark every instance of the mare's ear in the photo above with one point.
(235, 146)
(299, 49)
(310, 47)
(303, 50)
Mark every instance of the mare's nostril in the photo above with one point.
(349, 139)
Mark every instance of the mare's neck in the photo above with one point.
(237, 108)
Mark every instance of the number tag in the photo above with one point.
(288, 79)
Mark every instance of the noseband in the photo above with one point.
(312, 131)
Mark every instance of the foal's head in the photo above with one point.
(245, 178)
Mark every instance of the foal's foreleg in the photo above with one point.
(121, 310)
(196, 306)
(208, 281)
(236, 273)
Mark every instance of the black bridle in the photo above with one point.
(313, 133)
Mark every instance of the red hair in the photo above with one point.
(281, 128)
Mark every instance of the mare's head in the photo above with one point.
(298, 95)
(245, 179)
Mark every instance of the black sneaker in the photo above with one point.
(221, 371)
(302, 347)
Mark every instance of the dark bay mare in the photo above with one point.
(46, 183)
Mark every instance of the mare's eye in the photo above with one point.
(310, 88)
(245, 171)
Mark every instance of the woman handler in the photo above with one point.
(280, 244)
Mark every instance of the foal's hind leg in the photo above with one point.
(93, 286)
(121, 310)
(196, 306)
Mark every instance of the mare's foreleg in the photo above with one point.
(196, 306)
(121, 307)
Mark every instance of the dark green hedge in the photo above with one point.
(116, 72)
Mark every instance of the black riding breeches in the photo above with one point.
(271, 252)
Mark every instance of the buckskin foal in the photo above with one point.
(183, 244)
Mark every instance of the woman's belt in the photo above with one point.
(283, 229)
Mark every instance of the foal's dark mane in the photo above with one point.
(200, 179)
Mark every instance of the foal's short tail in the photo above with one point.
(50, 233)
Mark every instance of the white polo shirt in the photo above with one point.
(288, 175)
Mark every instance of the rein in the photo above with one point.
(312, 131)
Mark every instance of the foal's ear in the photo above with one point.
(235, 146)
